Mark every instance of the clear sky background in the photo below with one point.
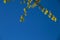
(36, 26)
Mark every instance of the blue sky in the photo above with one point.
(36, 26)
